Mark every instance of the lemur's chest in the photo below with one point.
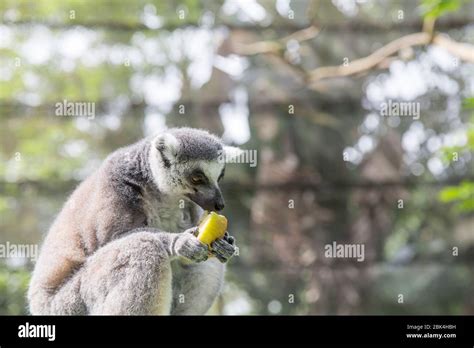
(169, 215)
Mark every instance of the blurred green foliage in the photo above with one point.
(462, 195)
(433, 9)
(13, 287)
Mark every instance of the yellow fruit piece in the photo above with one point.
(212, 227)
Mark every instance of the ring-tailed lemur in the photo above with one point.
(118, 245)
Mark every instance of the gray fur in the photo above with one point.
(196, 144)
(124, 242)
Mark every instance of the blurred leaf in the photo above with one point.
(462, 195)
(13, 286)
(433, 9)
(468, 103)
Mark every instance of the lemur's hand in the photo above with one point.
(188, 246)
(224, 248)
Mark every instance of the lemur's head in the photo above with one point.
(190, 163)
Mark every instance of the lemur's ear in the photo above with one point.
(167, 145)
(231, 152)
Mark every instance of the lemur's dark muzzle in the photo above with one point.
(211, 200)
(219, 200)
(219, 205)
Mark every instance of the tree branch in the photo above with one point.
(371, 61)
(381, 58)
(257, 104)
(353, 26)
(461, 50)
(278, 46)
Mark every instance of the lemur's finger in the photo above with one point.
(222, 250)
(228, 238)
(221, 258)
(189, 247)
(222, 247)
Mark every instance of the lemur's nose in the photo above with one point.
(219, 206)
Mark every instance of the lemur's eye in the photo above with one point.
(198, 179)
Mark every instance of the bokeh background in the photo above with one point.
(330, 167)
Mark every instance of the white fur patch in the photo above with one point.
(156, 165)
(212, 169)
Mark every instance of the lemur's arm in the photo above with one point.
(183, 244)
